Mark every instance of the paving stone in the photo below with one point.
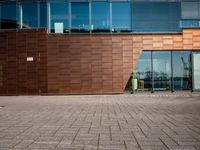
(24, 144)
(100, 122)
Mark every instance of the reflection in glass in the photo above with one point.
(196, 70)
(121, 17)
(43, 15)
(9, 19)
(80, 17)
(100, 17)
(30, 15)
(59, 14)
(161, 70)
(143, 69)
(156, 16)
(172, 70)
(181, 70)
(189, 23)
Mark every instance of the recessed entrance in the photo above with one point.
(167, 71)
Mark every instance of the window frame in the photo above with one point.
(68, 15)
(17, 17)
(82, 30)
(37, 3)
(106, 30)
(130, 25)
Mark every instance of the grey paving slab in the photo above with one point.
(101, 122)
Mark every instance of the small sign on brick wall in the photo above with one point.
(29, 58)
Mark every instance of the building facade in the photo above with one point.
(92, 47)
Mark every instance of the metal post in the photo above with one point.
(20, 15)
(48, 17)
(192, 76)
(172, 73)
(38, 14)
(110, 17)
(152, 74)
(0, 16)
(70, 17)
(90, 17)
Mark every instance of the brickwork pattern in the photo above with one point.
(89, 64)
(103, 63)
(120, 122)
(78, 64)
(19, 75)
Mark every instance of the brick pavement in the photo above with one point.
(105, 122)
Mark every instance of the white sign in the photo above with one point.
(58, 27)
(29, 58)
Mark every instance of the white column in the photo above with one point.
(20, 15)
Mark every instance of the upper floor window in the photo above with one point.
(80, 17)
(121, 17)
(189, 23)
(43, 15)
(190, 10)
(190, 14)
(30, 14)
(156, 16)
(9, 19)
(62, 16)
(59, 12)
(100, 17)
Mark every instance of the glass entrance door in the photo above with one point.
(181, 64)
(196, 70)
(168, 71)
(161, 70)
(144, 73)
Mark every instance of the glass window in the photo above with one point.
(196, 70)
(9, 19)
(30, 15)
(59, 17)
(181, 70)
(172, 70)
(100, 17)
(190, 10)
(189, 23)
(0, 15)
(156, 16)
(161, 70)
(144, 73)
(121, 17)
(80, 17)
(43, 15)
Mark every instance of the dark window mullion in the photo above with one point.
(152, 74)
(172, 73)
(70, 15)
(38, 14)
(0, 15)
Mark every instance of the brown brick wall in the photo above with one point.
(78, 64)
(19, 76)
(89, 64)
(103, 63)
